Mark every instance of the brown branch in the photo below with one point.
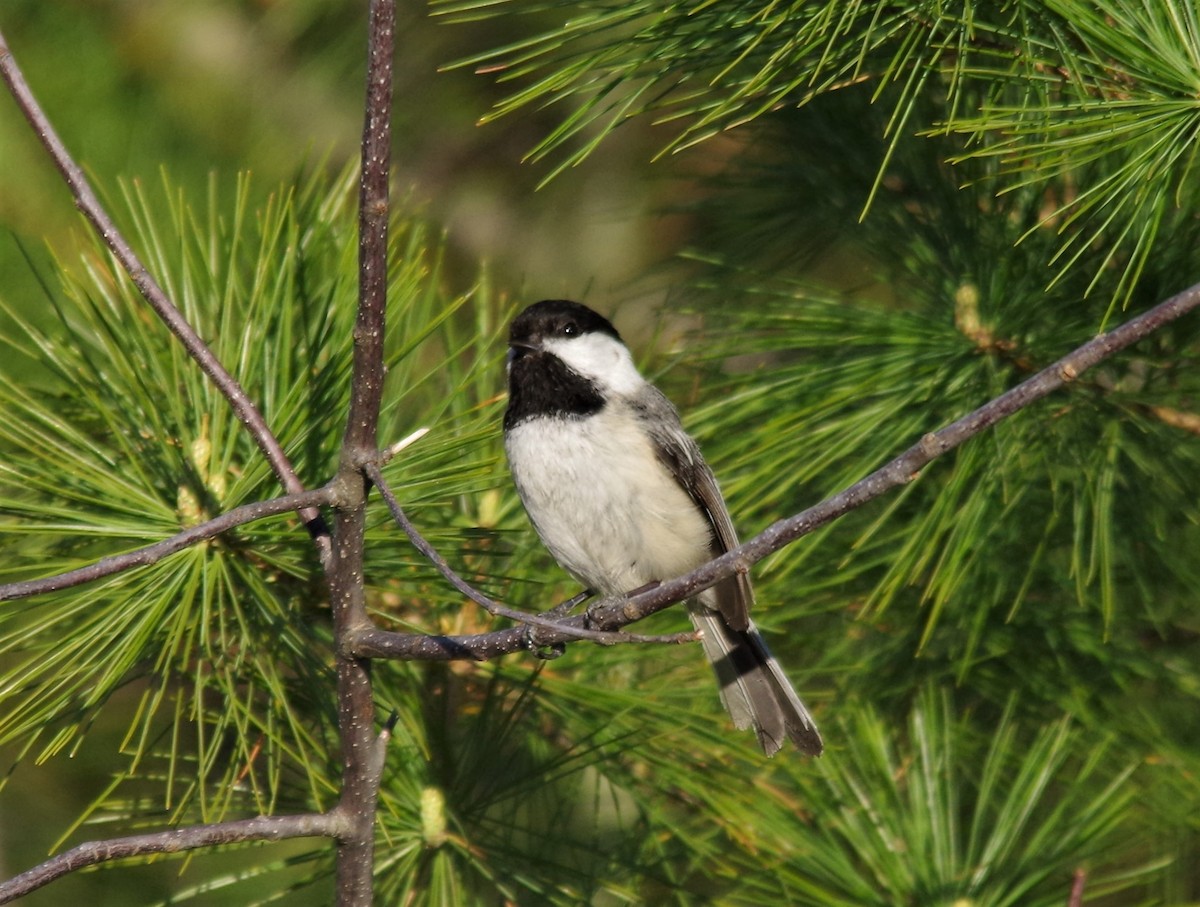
(87, 202)
(366, 391)
(152, 554)
(361, 750)
(176, 840)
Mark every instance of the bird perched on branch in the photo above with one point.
(621, 496)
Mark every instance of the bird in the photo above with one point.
(621, 496)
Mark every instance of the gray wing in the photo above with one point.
(681, 455)
(754, 689)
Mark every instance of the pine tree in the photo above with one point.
(907, 210)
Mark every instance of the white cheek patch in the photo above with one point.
(601, 358)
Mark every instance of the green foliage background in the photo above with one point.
(886, 214)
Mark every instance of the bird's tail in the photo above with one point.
(754, 689)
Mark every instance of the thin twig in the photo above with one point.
(152, 554)
(261, 828)
(87, 202)
(493, 607)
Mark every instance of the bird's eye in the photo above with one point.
(570, 329)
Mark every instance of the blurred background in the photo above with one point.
(268, 87)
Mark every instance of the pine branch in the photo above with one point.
(152, 554)
(352, 821)
(175, 840)
(87, 202)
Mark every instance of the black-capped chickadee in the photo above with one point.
(622, 498)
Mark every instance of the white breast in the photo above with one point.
(609, 512)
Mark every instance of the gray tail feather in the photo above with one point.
(754, 689)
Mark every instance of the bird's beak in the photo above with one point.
(518, 348)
